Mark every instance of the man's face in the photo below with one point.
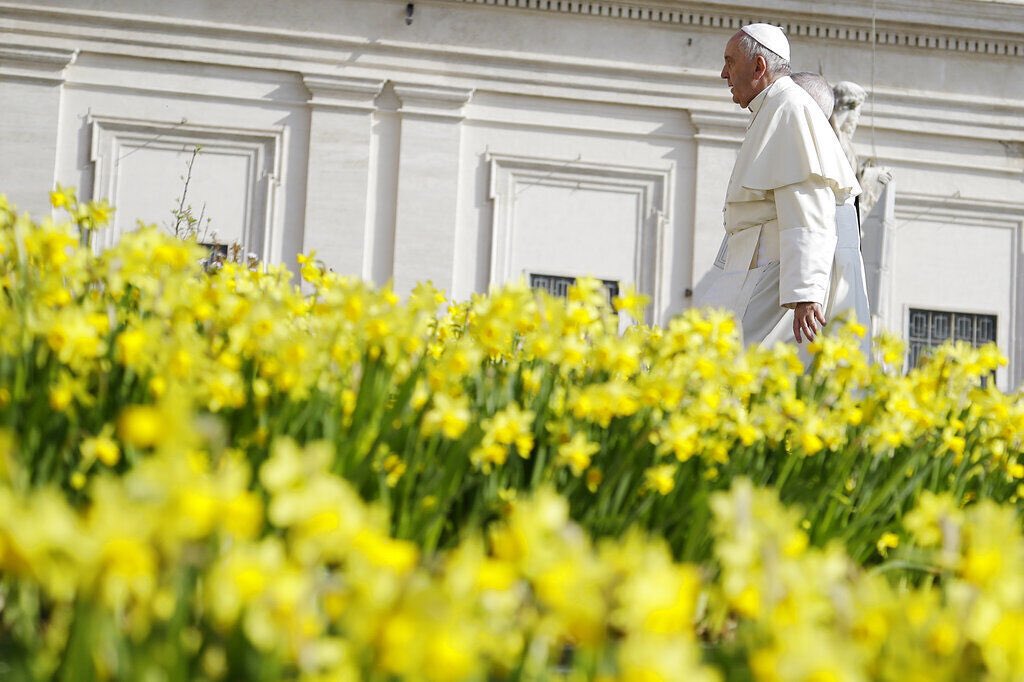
(846, 115)
(739, 72)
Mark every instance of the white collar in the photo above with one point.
(755, 104)
(758, 101)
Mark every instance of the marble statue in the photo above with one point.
(845, 117)
(876, 203)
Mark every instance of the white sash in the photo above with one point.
(735, 285)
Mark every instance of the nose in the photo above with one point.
(725, 72)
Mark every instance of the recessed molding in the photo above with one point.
(885, 33)
(509, 174)
(969, 212)
(115, 137)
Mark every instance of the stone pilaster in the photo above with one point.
(340, 124)
(31, 80)
(719, 135)
(428, 184)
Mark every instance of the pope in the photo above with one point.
(780, 205)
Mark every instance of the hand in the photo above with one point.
(808, 319)
(880, 174)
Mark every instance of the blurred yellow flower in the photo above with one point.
(886, 542)
(141, 426)
(577, 453)
(102, 447)
(661, 479)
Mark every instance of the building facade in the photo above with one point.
(470, 142)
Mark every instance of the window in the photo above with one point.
(558, 285)
(216, 251)
(930, 328)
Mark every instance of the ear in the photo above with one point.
(760, 67)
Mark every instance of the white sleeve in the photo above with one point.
(807, 240)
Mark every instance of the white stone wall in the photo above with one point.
(492, 138)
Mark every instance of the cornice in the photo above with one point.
(985, 17)
(57, 34)
(432, 100)
(957, 209)
(914, 31)
(719, 126)
(342, 92)
(38, 64)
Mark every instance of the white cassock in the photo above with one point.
(780, 214)
(849, 288)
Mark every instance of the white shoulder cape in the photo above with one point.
(788, 141)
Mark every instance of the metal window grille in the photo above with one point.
(216, 255)
(927, 329)
(558, 285)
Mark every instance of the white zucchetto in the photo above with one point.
(769, 36)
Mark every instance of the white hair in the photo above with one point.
(818, 88)
(849, 94)
(777, 66)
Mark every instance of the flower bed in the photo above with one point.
(214, 472)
